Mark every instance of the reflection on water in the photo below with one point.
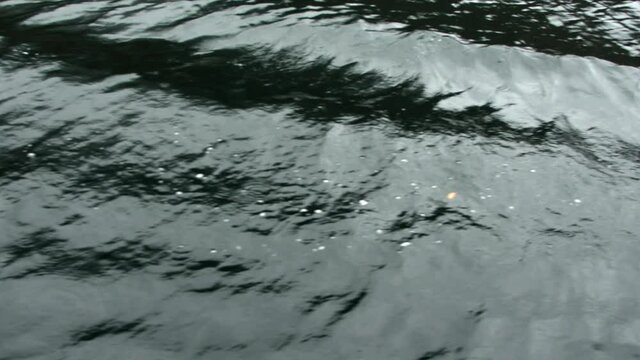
(319, 179)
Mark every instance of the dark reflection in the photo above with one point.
(443, 214)
(277, 286)
(55, 256)
(605, 29)
(317, 90)
(347, 306)
(250, 77)
(434, 354)
(259, 77)
(117, 256)
(214, 230)
(110, 328)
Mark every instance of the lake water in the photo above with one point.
(314, 180)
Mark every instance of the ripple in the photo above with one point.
(319, 179)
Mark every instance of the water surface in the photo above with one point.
(319, 180)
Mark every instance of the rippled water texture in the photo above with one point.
(319, 180)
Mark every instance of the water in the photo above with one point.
(319, 180)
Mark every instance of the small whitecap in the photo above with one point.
(179, 192)
(260, 201)
(404, 160)
(160, 169)
(511, 207)
(577, 201)
(332, 237)
(226, 220)
(472, 211)
(176, 133)
(321, 248)
(317, 211)
(434, 186)
(379, 231)
(482, 197)
(31, 155)
(363, 202)
(263, 214)
(175, 141)
(213, 251)
(304, 210)
(532, 170)
(238, 247)
(414, 184)
(398, 197)
(199, 176)
(438, 241)
(405, 244)
(326, 181)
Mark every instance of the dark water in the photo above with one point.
(319, 180)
